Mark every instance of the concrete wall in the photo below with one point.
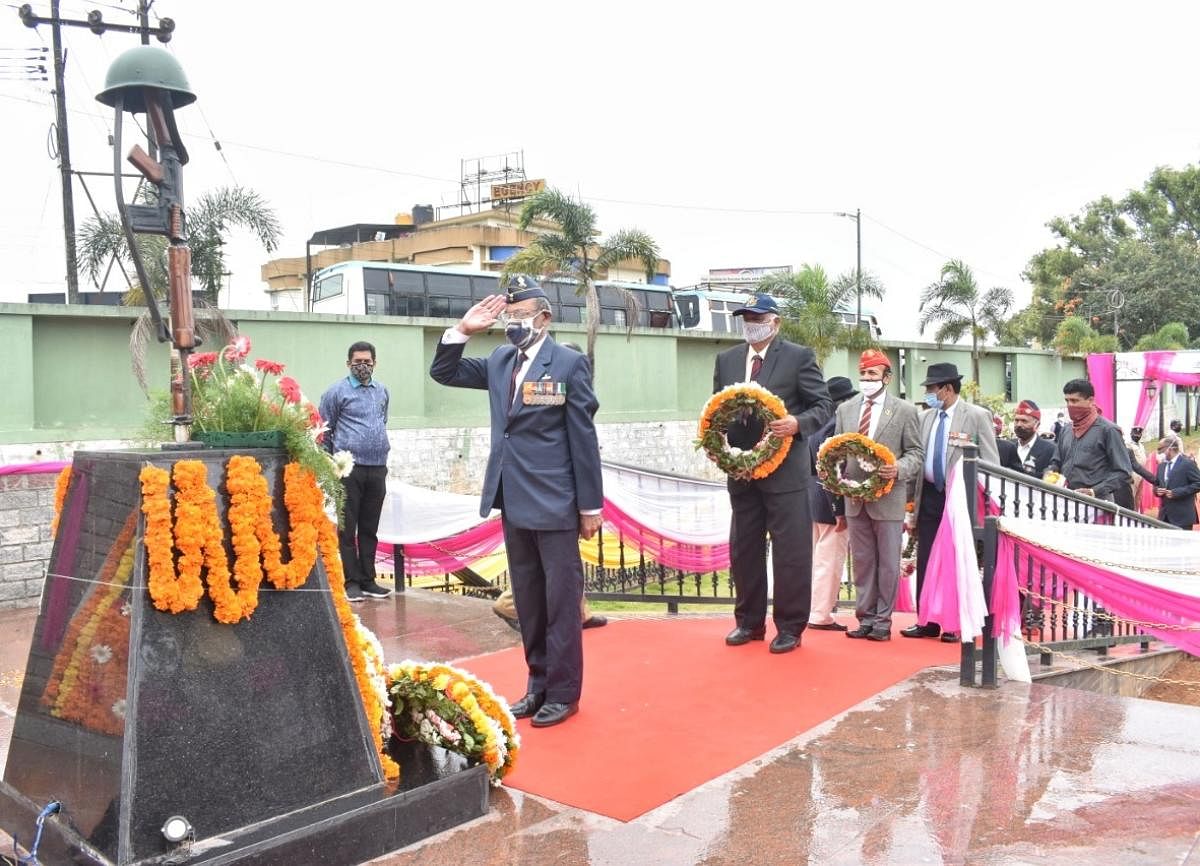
(66, 383)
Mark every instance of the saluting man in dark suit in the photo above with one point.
(543, 473)
(778, 504)
(1177, 483)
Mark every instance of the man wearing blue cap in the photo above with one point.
(543, 473)
(775, 506)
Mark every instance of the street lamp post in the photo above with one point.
(857, 217)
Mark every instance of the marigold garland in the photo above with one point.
(481, 727)
(257, 547)
(731, 404)
(61, 485)
(867, 453)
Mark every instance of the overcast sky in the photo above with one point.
(728, 132)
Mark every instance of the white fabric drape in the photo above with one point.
(687, 510)
(414, 515)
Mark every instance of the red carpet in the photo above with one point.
(667, 706)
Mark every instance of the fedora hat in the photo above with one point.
(940, 374)
(840, 388)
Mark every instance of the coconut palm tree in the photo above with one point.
(957, 306)
(812, 305)
(576, 252)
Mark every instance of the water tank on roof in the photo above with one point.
(422, 213)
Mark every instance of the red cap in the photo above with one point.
(873, 358)
(1028, 407)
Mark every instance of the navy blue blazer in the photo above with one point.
(1040, 454)
(1184, 484)
(823, 506)
(544, 465)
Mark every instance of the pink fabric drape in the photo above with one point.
(445, 555)
(1148, 501)
(671, 552)
(1102, 374)
(1121, 595)
(1158, 369)
(951, 594)
(34, 468)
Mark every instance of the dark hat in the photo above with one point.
(840, 388)
(758, 303)
(522, 287)
(941, 374)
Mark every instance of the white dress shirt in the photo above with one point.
(929, 446)
(751, 355)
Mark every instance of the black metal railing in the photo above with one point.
(1055, 614)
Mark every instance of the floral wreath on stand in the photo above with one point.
(735, 403)
(832, 456)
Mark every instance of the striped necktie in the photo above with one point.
(864, 425)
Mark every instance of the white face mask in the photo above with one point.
(870, 387)
(758, 332)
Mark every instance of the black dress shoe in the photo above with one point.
(828, 626)
(859, 633)
(527, 706)
(740, 635)
(950, 637)
(879, 635)
(595, 621)
(553, 714)
(921, 631)
(785, 642)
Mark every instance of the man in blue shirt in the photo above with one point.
(356, 410)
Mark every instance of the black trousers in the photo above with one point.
(785, 517)
(547, 580)
(357, 539)
(929, 518)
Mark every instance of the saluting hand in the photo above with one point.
(483, 315)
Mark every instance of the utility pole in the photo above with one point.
(858, 266)
(96, 23)
(64, 158)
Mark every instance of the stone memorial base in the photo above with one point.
(254, 733)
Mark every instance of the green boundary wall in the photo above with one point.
(65, 371)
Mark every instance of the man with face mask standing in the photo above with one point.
(1177, 482)
(356, 410)
(543, 473)
(778, 504)
(1091, 453)
(876, 527)
(948, 425)
(1034, 452)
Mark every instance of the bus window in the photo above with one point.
(689, 310)
(448, 285)
(377, 304)
(439, 308)
(572, 314)
(416, 305)
(459, 307)
(481, 287)
(330, 287)
(656, 301)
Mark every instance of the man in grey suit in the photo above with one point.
(778, 504)
(948, 425)
(876, 527)
(543, 473)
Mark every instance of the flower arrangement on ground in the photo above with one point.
(869, 454)
(231, 395)
(445, 706)
(736, 403)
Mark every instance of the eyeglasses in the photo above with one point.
(506, 319)
(359, 363)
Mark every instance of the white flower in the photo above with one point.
(118, 709)
(126, 609)
(343, 463)
(101, 653)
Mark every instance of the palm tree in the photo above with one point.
(576, 252)
(812, 306)
(958, 307)
(209, 220)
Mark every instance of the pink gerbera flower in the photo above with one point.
(238, 348)
(290, 389)
(201, 359)
(272, 367)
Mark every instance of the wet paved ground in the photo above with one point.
(926, 772)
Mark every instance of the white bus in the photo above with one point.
(710, 308)
(388, 289)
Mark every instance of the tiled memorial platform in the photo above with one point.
(924, 772)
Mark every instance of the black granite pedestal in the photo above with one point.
(254, 733)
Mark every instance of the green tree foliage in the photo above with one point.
(576, 252)
(1145, 246)
(1173, 335)
(1074, 336)
(812, 304)
(210, 218)
(959, 308)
